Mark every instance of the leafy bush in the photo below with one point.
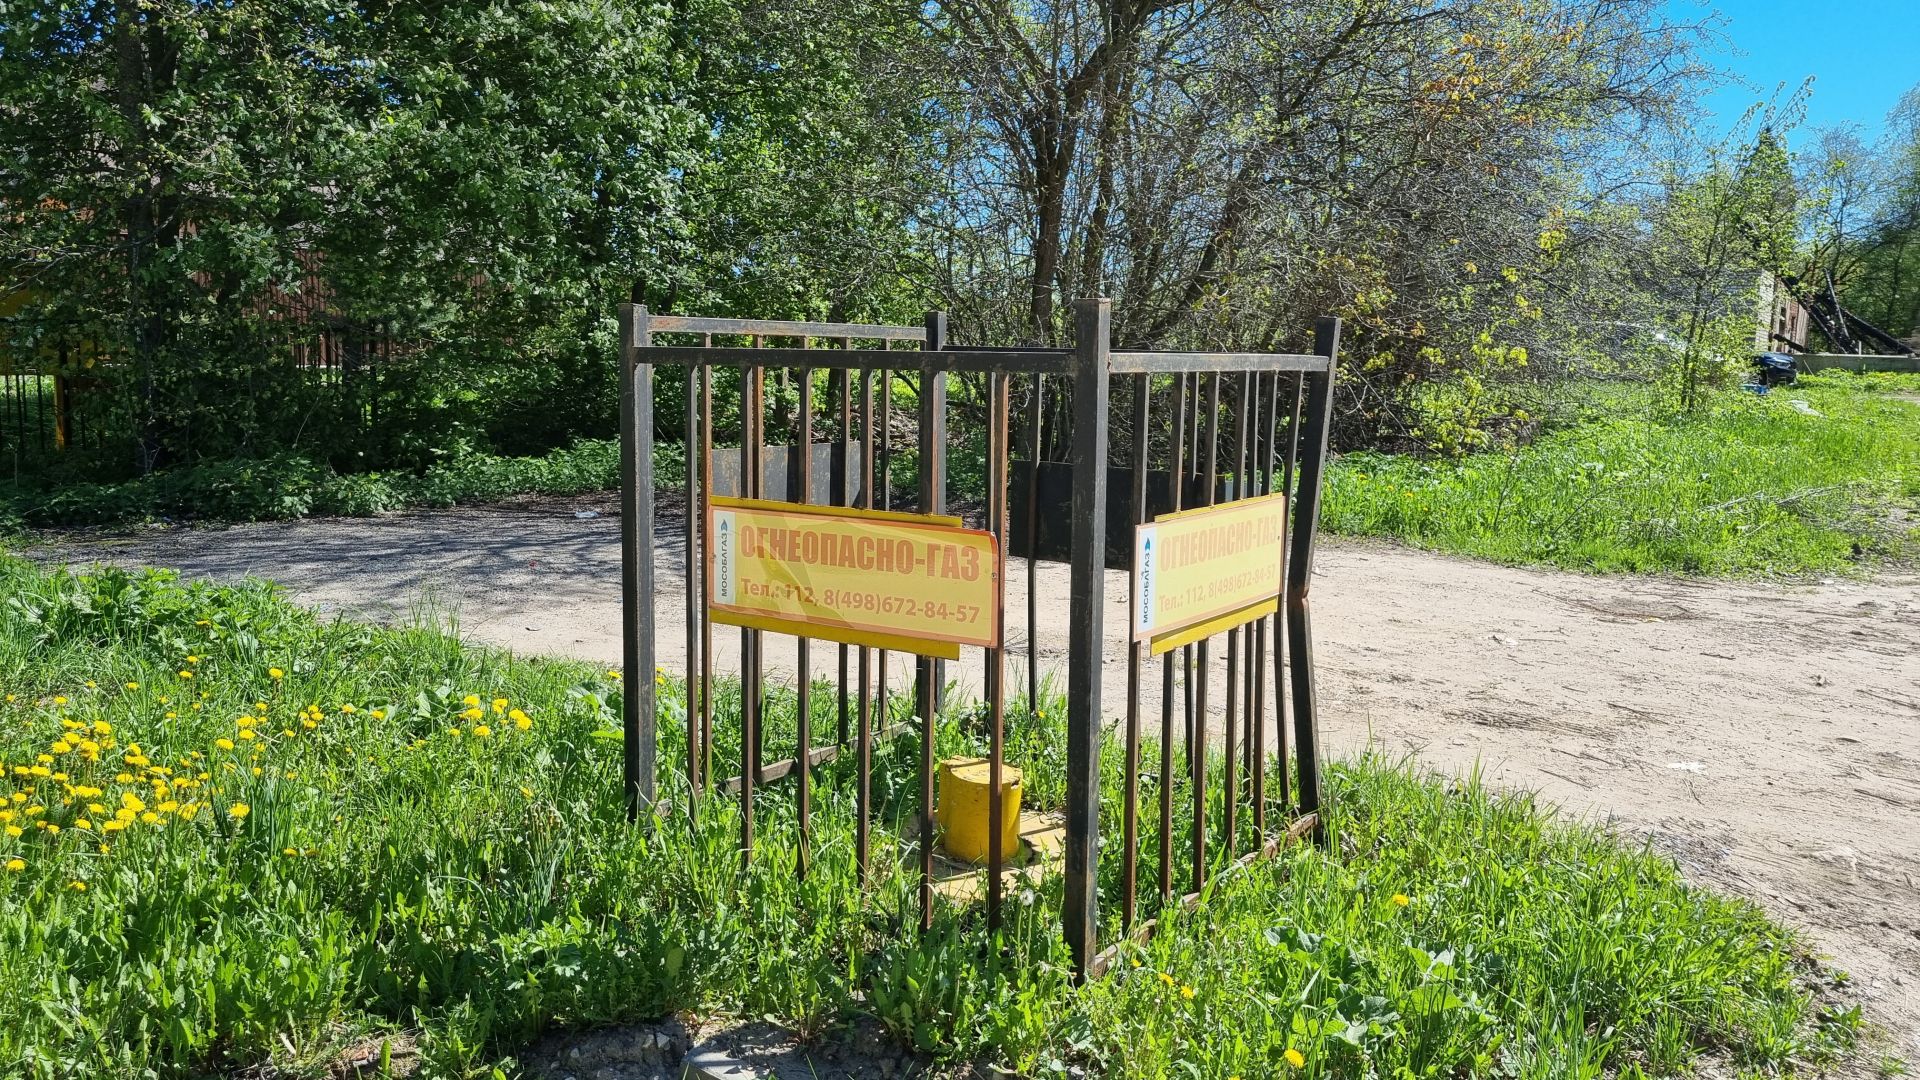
(291, 487)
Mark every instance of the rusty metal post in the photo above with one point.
(636, 562)
(928, 671)
(1092, 326)
(800, 490)
(1315, 422)
(999, 389)
(1130, 824)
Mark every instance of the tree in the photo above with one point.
(1227, 172)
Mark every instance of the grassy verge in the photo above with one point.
(239, 839)
(1748, 485)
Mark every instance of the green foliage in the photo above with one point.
(309, 834)
(461, 198)
(1746, 484)
(292, 487)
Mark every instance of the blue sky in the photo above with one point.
(1863, 54)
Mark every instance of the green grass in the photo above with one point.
(1748, 485)
(391, 876)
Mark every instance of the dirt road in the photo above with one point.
(1766, 735)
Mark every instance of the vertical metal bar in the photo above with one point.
(1130, 822)
(999, 387)
(636, 560)
(750, 378)
(1315, 423)
(1265, 389)
(863, 783)
(1197, 752)
(757, 446)
(886, 503)
(694, 571)
(933, 477)
(842, 496)
(803, 659)
(1239, 639)
(1033, 545)
(1091, 319)
(706, 617)
(1177, 481)
(1282, 628)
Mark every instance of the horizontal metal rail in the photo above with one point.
(778, 328)
(819, 755)
(1041, 361)
(1158, 363)
(1144, 933)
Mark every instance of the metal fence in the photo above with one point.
(1248, 424)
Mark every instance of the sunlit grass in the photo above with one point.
(394, 850)
(1749, 485)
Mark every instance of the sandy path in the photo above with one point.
(1767, 735)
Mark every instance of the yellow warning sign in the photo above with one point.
(915, 582)
(1200, 572)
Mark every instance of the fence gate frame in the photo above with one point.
(1260, 460)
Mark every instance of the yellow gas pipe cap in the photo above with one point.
(964, 803)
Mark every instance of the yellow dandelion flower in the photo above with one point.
(289, 851)
(455, 732)
(15, 831)
(1187, 992)
(275, 673)
(248, 733)
(185, 674)
(482, 731)
(1166, 978)
(16, 865)
(1401, 899)
(149, 818)
(133, 686)
(1295, 1058)
(470, 714)
(82, 823)
(348, 709)
(527, 791)
(613, 674)
(377, 714)
(223, 743)
(59, 699)
(520, 719)
(239, 811)
(77, 886)
(470, 699)
(193, 659)
(499, 705)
